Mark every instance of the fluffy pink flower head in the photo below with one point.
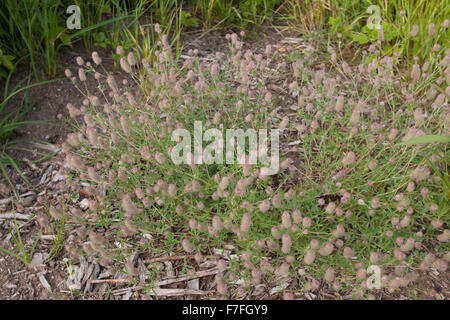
(420, 173)
(309, 257)
(355, 116)
(349, 158)
(159, 157)
(276, 201)
(297, 216)
(80, 61)
(414, 30)
(431, 29)
(96, 58)
(193, 225)
(348, 253)
(314, 244)
(331, 207)
(339, 231)
(187, 246)
(157, 28)
(245, 223)
(172, 190)
(307, 222)
(326, 249)
(286, 220)
(399, 255)
(375, 203)
(329, 275)
(264, 206)
(217, 223)
(131, 60)
(128, 206)
(125, 65)
(275, 233)
(286, 243)
(339, 104)
(81, 74)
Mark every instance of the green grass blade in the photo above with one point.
(425, 139)
(25, 88)
(12, 254)
(9, 127)
(15, 166)
(95, 26)
(5, 174)
(35, 244)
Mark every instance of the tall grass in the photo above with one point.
(95, 13)
(23, 255)
(309, 15)
(37, 28)
(11, 120)
(31, 28)
(242, 13)
(347, 21)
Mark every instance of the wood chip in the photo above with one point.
(46, 173)
(58, 177)
(4, 189)
(84, 204)
(292, 40)
(208, 264)
(260, 289)
(50, 237)
(294, 143)
(194, 284)
(5, 201)
(176, 292)
(113, 281)
(8, 200)
(30, 164)
(198, 274)
(37, 261)
(225, 254)
(125, 290)
(279, 288)
(10, 215)
(164, 282)
(169, 269)
(127, 295)
(183, 56)
(164, 292)
(45, 283)
(91, 274)
(161, 259)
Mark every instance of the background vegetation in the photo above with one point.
(37, 29)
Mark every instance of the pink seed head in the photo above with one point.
(310, 256)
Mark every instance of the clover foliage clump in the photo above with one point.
(346, 197)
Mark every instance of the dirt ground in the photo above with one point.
(48, 280)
